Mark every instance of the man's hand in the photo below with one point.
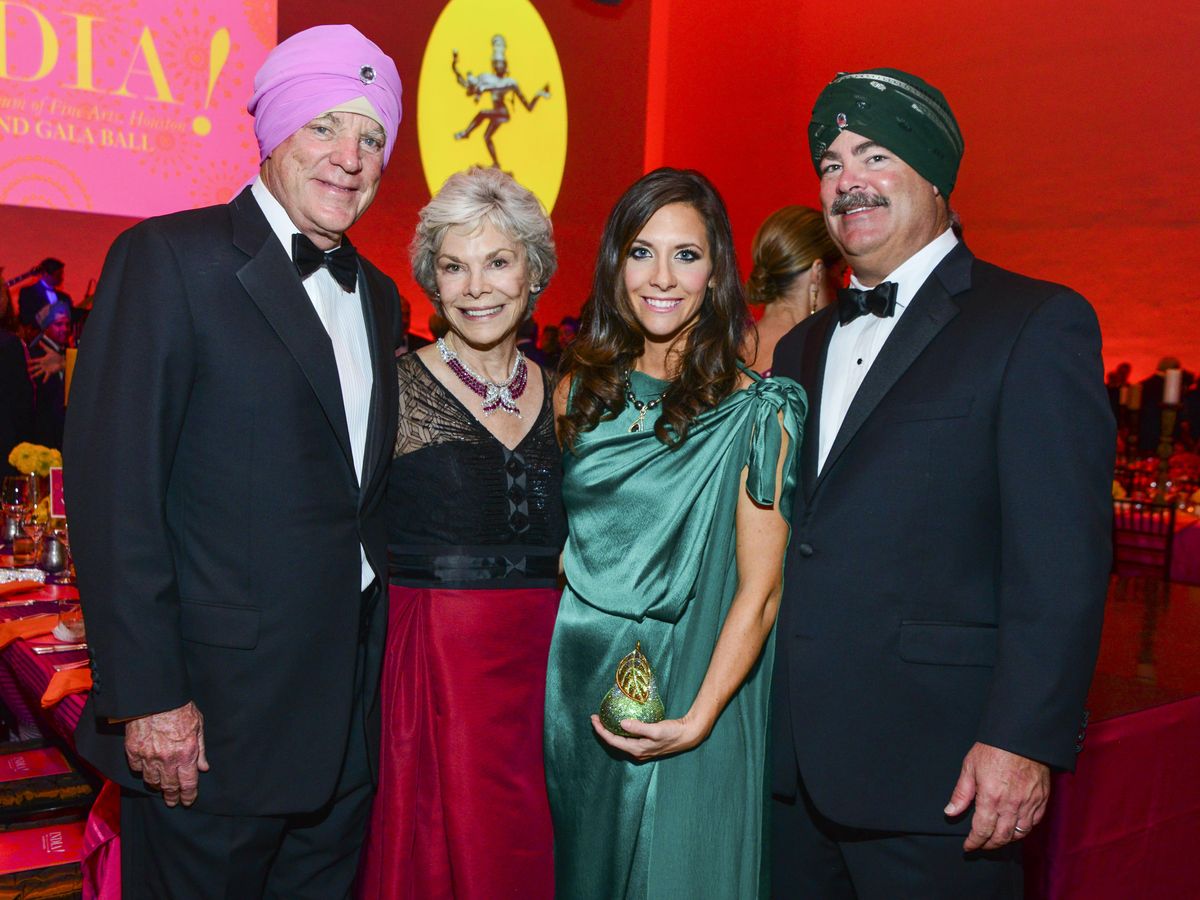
(45, 366)
(1010, 794)
(167, 750)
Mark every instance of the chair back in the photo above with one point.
(1143, 535)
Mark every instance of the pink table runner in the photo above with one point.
(24, 677)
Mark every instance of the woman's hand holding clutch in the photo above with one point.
(631, 714)
(652, 740)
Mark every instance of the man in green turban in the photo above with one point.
(937, 632)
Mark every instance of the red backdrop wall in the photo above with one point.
(1081, 123)
(1080, 120)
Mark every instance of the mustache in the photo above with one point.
(856, 200)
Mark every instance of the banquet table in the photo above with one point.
(1124, 824)
(1185, 552)
(1121, 826)
(24, 678)
(1185, 558)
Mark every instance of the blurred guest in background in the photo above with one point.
(437, 325)
(44, 291)
(475, 527)
(8, 306)
(1150, 415)
(678, 482)
(47, 354)
(551, 347)
(1115, 382)
(1191, 414)
(409, 341)
(796, 271)
(81, 311)
(16, 398)
(568, 327)
(527, 341)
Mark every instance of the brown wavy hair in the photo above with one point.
(788, 242)
(610, 339)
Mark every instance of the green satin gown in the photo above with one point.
(651, 558)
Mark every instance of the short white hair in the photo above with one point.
(466, 200)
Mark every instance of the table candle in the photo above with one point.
(1172, 386)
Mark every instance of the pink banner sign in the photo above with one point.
(58, 502)
(129, 107)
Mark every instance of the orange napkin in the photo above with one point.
(18, 587)
(68, 681)
(32, 626)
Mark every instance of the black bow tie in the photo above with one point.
(342, 262)
(879, 300)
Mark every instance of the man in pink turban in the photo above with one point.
(227, 476)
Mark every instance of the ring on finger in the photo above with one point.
(1019, 830)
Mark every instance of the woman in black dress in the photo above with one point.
(476, 527)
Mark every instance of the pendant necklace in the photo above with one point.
(641, 407)
(495, 396)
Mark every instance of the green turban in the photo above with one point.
(896, 110)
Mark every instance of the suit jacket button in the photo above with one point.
(805, 549)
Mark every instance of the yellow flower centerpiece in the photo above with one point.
(34, 459)
(41, 512)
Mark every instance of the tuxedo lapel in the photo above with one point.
(378, 447)
(812, 378)
(275, 287)
(928, 313)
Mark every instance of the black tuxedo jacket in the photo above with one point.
(215, 515)
(946, 576)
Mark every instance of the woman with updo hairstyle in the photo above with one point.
(795, 271)
(475, 528)
(678, 476)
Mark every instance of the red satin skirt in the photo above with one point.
(461, 809)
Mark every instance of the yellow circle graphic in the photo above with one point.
(492, 93)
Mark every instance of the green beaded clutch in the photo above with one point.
(634, 695)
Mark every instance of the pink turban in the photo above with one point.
(315, 71)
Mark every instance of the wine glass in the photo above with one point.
(34, 531)
(16, 493)
(16, 503)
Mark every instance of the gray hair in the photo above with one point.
(466, 200)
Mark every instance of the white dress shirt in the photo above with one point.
(341, 313)
(854, 346)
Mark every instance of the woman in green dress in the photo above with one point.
(679, 468)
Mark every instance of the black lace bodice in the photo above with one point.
(464, 510)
